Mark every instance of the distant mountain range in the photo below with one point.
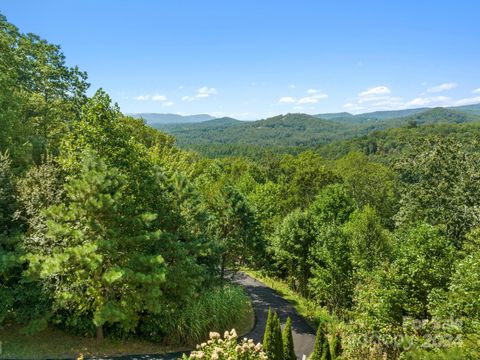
(302, 130)
(157, 119)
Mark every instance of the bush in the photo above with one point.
(216, 308)
(227, 348)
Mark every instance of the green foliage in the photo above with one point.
(99, 255)
(461, 300)
(424, 262)
(38, 92)
(370, 184)
(370, 243)
(287, 339)
(8, 204)
(272, 339)
(291, 247)
(336, 346)
(282, 132)
(441, 187)
(321, 349)
(190, 322)
(105, 223)
(331, 282)
(333, 205)
(227, 348)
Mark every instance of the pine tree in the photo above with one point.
(336, 345)
(288, 347)
(321, 350)
(101, 249)
(267, 336)
(272, 339)
(277, 335)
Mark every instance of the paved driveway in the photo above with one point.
(263, 298)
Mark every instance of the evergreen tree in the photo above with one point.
(321, 350)
(272, 339)
(99, 257)
(288, 346)
(267, 336)
(336, 345)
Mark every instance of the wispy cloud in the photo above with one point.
(468, 101)
(476, 91)
(378, 90)
(442, 87)
(374, 98)
(201, 93)
(429, 101)
(154, 97)
(287, 100)
(205, 92)
(312, 97)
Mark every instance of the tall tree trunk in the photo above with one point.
(100, 333)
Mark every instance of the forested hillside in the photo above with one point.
(109, 230)
(217, 137)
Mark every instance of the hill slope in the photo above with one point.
(299, 130)
(155, 119)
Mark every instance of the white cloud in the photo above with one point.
(378, 90)
(142, 97)
(376, 98)
(442, 87)
(154, 97)
(429, 101)
(312, 99)
(205, 92)
(468, 101)
(476, 91)
(159, 98)
(287, 100)
(169, 103)
(312, 91)
(188, 98)
(292, 86)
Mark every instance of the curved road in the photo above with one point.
(263, 298)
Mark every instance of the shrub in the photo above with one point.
(227, 348)
(216, 308)
(272, 339)
(288, 347)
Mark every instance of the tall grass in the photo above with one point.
(216, 309)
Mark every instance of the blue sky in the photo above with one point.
(253, 59)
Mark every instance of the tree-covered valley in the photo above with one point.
(112, 229)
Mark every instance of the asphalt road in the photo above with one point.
(263, 298)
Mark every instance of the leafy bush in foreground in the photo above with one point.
(227, 348)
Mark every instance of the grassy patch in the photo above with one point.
(56, 343)
(53, 343)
